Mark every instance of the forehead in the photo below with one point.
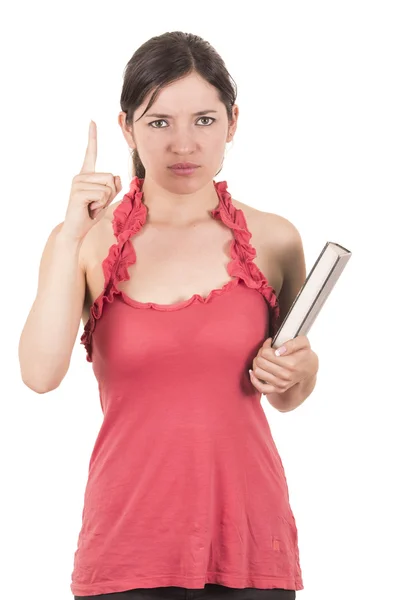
(187, 95)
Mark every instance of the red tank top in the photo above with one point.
(185, 484)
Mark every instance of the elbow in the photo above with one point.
(40, 389)
(40, 374)
(42, 382)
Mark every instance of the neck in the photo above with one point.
(178, 209)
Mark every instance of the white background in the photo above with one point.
(316, 143)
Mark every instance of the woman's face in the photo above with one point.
(171, 132)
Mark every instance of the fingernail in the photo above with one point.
(280, 351)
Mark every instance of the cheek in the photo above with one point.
(211, 145)
(150, 150)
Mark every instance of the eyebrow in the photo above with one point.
(196, 114)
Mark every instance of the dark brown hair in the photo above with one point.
(167, 58)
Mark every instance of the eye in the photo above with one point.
(160, 121)
(212, 119)
(164, 121)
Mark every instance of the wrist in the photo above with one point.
(65, 238)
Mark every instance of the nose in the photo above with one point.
(183, 141)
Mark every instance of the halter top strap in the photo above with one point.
(130, 216)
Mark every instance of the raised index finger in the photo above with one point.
(91, 152)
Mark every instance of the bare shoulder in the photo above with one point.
(281, 232)
(279, 249)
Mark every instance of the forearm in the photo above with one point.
(50, 331)
(294, 396)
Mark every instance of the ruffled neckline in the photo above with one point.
(130, 216)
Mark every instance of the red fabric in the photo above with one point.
(185, 484)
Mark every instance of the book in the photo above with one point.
(320, 282)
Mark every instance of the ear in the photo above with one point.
(233, 124)
(126, 131)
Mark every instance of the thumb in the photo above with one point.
(267, 343)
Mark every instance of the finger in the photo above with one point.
(285, 361)
(105, 182)
(267, 377)
(272, 367)
(96, 178)
(300, 342)
(91, 151)
(119, 186)
(103, 202)
(263, 387)
(115, 186)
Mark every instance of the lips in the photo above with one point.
(187, 165)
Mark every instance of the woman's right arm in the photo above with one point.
(50, 331)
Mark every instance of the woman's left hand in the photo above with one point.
(276, 374)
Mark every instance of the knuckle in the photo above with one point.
(262, 362)
(111, 188)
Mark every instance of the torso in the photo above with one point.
(173, 264)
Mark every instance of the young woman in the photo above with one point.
(180, 288)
